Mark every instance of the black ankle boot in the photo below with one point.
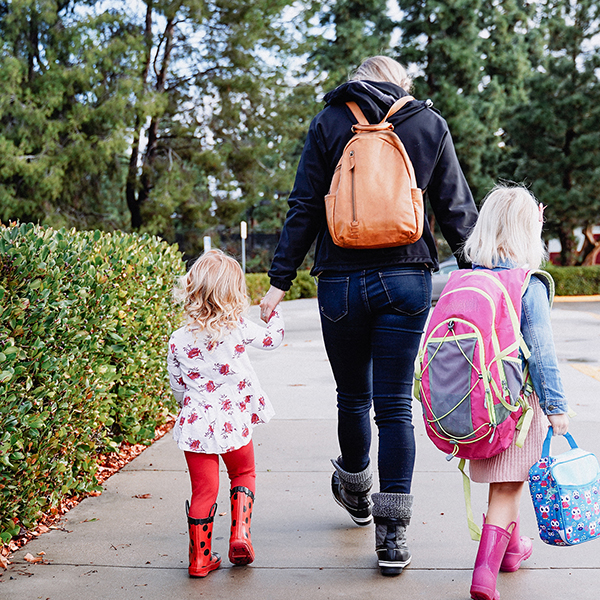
(392, 514)
(351, 492)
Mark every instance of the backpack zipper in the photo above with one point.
(352, 168)
(489, 399)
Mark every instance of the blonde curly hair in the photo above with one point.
(213, 293)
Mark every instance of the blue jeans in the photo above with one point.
(372, 323)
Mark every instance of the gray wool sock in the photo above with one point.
(392, 506)
(354, 482)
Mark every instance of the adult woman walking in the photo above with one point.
(373, 302)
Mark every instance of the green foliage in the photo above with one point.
(473, 58)
(517, 82)
(66, 85)
(179, 119)
(258, 285)
(451, 67)
(303, 286)
(349, 31)
(221, 140)
(84, 323)
(575, 281)
(169, 118)
(553, 137)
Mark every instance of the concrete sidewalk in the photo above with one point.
(124, 545)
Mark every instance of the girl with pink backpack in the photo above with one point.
(507, 235)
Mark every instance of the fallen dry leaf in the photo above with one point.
(142, 496)
(4, 562)
(32, 559)
(108, 464)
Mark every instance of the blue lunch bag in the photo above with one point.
(565, 490)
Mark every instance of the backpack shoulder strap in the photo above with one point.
(362, 120)
(397, 106)
(474, 530)
(358, 114)
(547, 280)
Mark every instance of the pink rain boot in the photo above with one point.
(518, 549)
(490, 553)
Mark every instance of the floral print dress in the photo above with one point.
(216, 387)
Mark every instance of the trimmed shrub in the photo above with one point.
(303, 286)
(258, 285)
(575, 281)
(84, 323)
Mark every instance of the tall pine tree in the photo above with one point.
(553, 139)
(346, 33)
(205, 116)
(441, 40)
(65, 87)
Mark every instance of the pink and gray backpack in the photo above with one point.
(468, 374)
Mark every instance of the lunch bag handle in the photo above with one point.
(546, 446)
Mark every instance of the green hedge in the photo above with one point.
(84, 323)
(303, 286)
(575, 281)
(570, 281)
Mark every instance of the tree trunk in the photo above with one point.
(33, 45)
(567, 246)
(131, 186)
(146, 177)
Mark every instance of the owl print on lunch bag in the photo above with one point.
(565, 490)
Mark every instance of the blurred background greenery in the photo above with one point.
(183, 118)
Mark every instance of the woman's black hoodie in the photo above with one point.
(427, 140)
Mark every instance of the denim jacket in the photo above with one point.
(537, 333)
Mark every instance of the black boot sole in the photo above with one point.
(393, 568)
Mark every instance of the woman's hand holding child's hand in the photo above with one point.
(560, 423)
(268, 304)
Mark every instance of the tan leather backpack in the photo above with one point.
(374, 201)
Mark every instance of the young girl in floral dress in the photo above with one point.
(221, 400)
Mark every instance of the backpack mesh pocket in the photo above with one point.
(450, 381)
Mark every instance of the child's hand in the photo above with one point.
(560, 423)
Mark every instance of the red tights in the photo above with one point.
(204, 475)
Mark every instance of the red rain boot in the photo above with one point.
(202, 560)
(519, 549)
(490, 553)
(240, 544)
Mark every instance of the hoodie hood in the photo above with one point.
(374, 99)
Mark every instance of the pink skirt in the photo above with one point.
(514, 463)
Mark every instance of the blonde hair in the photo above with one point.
(213, 293)
(383, 68)
(509, 227)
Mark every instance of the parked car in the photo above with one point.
(439, 279)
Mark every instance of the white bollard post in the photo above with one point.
(243, 235)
